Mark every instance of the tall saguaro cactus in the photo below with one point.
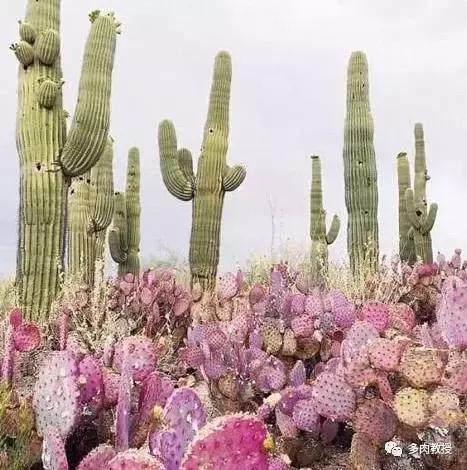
(360, 173)
(319, 238)
(47, 156)
(421, 217)
(90, 212)
(406, 241)
(213, 177)
(124, 237)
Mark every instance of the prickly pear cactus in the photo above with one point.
(213, 178)
(53, 451)
(90, 212)
(98, 458)
(229, 442)
(360, 173)
(125, 236)
(56, 399)
(421, 217)
(319, 238)
(47, 156)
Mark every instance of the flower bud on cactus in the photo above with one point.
(229, 443)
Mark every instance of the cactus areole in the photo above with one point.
(49, 157)
(213, 178)
(360, 173)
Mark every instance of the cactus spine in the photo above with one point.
(47, 156)
(360, 173)
(90, 212)
(213, 178)
(406, 241)
(421, 218)
(319, 238)
(124, 237)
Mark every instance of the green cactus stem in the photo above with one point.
(90, 212)
(360, 173)
(319, 238)
(213, 177)
(420, 216)
(47, 157)
(124, 237)
(406, 241)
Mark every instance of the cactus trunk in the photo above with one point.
(90, 209)
(125, 236)
(319, 238)
(421, 218)
(360, 173)
(213, 178)
(406, 239)
(47, 157)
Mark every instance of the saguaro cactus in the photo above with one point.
(90, 212)
(421, 218)
(361, 181)
(47, 157)
(213, 178)
(125, 235)
(319, 238)
(406, 241)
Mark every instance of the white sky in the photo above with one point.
(288, 102)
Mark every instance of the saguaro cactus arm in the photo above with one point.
(233, 177)
(102, 191)
(115, 246)
(185, 162)
(430, 219)
(89, 130)
(333, 230)
(174, 178)
(118, 235)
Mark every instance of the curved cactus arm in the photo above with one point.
(411, 211)
(185, 162)
(174, 179)
(233, 177)
(102, 191)
(333, 230)
(115, 246)
(88, 134)
(430, 219)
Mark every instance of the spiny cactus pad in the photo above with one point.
(133, 459)
(411, 406)
(333, 397)
(229, 443)
(375, 419)
(56, 394)
(421, 366)
(53, 451)
(98, 458)
(143, 356)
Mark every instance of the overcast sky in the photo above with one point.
(288, 102)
